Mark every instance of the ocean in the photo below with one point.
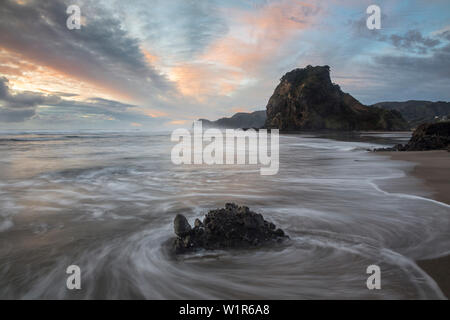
(105, 201)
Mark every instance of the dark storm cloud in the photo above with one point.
(418, 76)
(93, 106)
(17, 107)
(437, 65)
(413, 40)
(101, 51)
(419, 72)
(445, 35)
(433, 66)
(16, 115)
(94, 109)
(401, 65)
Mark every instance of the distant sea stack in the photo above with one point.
(306, 99)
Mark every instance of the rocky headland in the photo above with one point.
(306, 99)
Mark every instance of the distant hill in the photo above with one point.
(427, 136)
(417, 112)
(239, 120)
(306, 99)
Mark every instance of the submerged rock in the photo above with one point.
(230, 227)
(181, 226)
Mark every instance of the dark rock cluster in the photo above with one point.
(230, 227)
(428, 136)
(306, 99)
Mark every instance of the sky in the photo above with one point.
(160, 64)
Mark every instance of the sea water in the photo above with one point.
(106, 201)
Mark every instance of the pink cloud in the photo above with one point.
(256, 36)
(254, 39)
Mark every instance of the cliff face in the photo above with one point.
(306, 99)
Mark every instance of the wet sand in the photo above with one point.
(439, 270)
(433, 168)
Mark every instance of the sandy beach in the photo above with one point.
(433, 168)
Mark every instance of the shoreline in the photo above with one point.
(433, 169)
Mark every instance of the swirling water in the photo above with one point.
(106, 202)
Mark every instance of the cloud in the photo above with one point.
(408, 74)
(140, 61)
(17, 107)
(109, 104)
(94, 109)
(436, 66)
(180, 29)
(182, 57)
(416, 77)
(413, 41)
(25, 105)
(443, 34)
(429, 66)
(202, 80)
(258, 35)
(398, 62)
(101, 52)
(256, 39)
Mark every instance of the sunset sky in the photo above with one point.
(159, 64)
